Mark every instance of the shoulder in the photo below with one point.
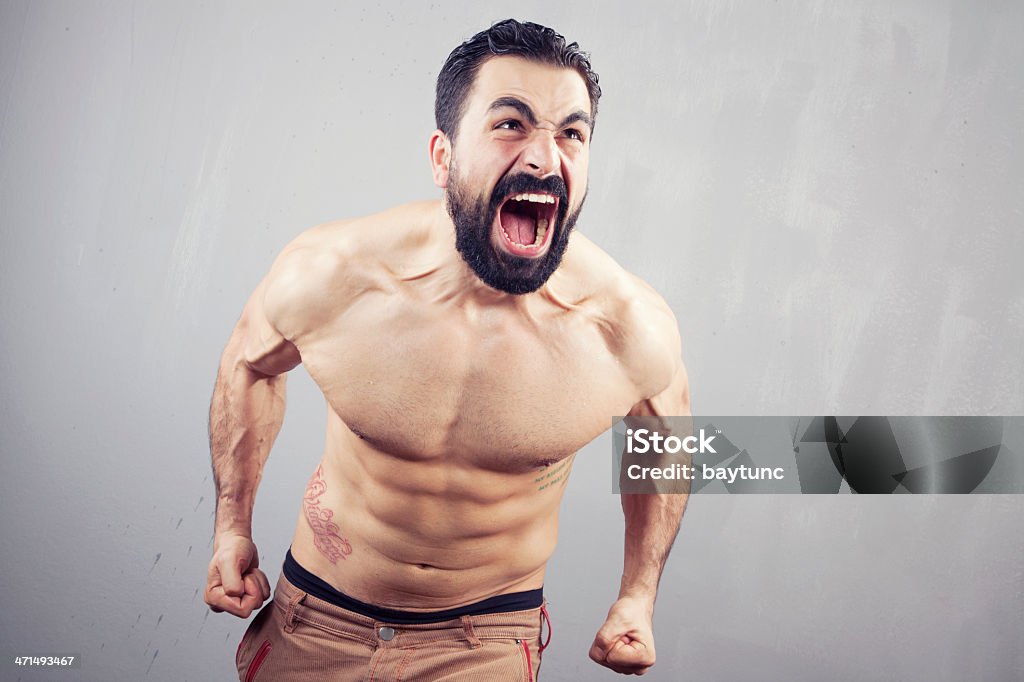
(639, 326)
(653, 354)
(325, 268)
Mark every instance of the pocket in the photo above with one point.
(258, 660)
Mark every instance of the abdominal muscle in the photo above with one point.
(423, 535)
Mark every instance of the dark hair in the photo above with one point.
(509, 37)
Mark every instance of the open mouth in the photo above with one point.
(526, 222)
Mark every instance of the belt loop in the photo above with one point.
(544, 613)
(289, 616)
(467, 626)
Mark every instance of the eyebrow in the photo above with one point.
(526, 112)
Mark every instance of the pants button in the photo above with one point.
(386, 633)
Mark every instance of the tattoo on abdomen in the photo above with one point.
(325, 531)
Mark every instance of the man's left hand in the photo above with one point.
(625, 643)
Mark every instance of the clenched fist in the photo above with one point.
(625, 643)
(234, 583)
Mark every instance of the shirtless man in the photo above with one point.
(466, 348)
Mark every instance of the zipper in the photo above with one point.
(529, 663)
(257, 660)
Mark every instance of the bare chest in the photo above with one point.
(501, 393)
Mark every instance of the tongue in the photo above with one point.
(522, 229)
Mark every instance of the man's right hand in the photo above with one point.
(234, 583)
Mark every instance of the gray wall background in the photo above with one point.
(829, 195)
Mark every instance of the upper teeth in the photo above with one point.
(538, 198)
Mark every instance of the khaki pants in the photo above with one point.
(300, 637)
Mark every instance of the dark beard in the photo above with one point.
(474, 220)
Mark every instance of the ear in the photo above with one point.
(440, 158)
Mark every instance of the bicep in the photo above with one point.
(256, 341)
(673, 401)
(655, 356)
(655, 414)
(287, 303)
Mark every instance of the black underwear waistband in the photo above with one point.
(503, 603)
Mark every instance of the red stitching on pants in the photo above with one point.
(257, 660)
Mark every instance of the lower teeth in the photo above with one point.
(542, 228)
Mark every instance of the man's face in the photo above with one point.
(518, 174)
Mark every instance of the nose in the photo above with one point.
(541, 153)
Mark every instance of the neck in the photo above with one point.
(457, 282)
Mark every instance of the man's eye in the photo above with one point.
(574, 134)
(510, 125)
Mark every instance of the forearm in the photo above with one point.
(246, 414)
(652, 521)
